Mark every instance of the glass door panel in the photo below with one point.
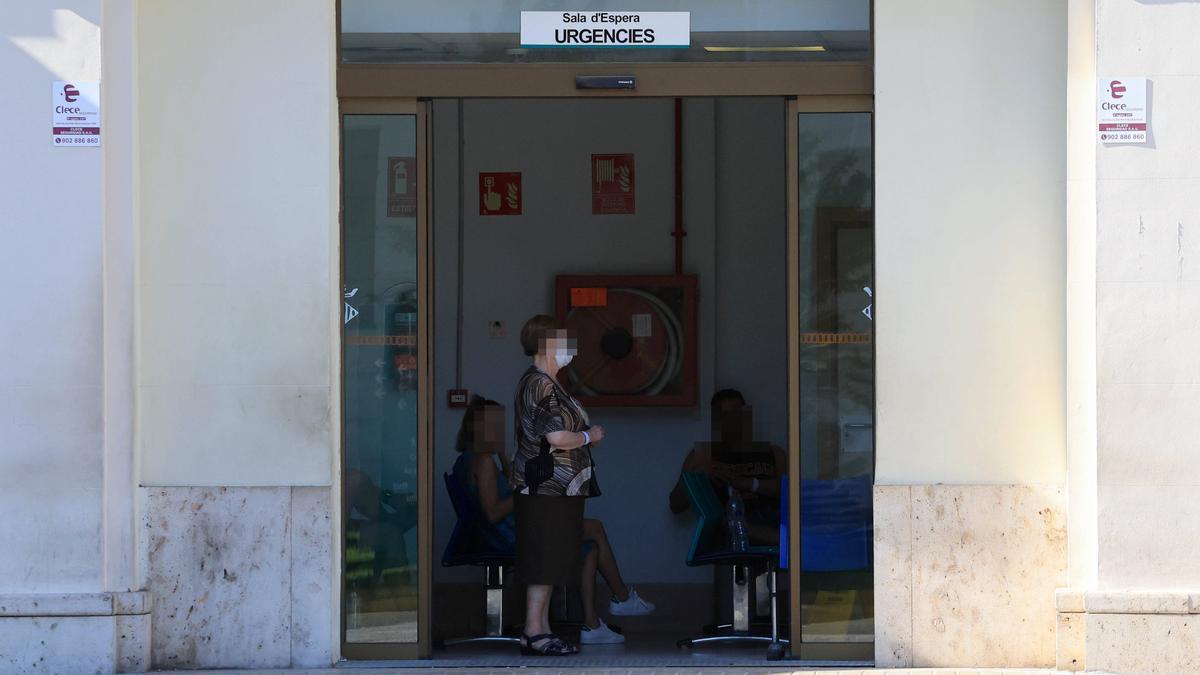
(836, 371)
(381, 401)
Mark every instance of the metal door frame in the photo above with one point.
(406, 89)
(822, 652)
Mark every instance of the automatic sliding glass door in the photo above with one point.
(385, 552)
(833, 383)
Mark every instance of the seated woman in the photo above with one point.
(482, 466)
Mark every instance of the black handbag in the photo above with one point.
(593, 484)
(539, 469)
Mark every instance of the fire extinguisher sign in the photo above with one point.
(402, 187)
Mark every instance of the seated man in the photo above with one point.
(733, 459)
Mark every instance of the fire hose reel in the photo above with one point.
(636, 339)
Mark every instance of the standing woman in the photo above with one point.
(552, 475)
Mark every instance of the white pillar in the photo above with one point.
(1135, 381)
(122, 570)
(118, 61)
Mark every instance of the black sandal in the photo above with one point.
(553, 646)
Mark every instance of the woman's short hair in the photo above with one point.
(467, 432)
(533, 334)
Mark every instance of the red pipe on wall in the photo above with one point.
(679, 233)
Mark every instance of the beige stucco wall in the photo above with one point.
(971, 329)
(1136, 589)
(51, 378)
(236, 306)
(236, 269)
(970, 241)
(1081, 290)
(65, 551)
(1148, 292)
(237, 309)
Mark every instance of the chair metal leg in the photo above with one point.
(724, 638)
(741, 598)
(494, 600)
(775, 650)
(494, 610)
(740, 632)
(762, 595)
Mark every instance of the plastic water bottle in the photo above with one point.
(735, 521)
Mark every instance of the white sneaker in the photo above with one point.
(600, 635)
(633, 606)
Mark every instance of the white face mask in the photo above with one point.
(562, 358)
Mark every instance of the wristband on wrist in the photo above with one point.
(586, 439)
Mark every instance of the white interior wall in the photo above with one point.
(734, 212)
(236, 272)
(970, 241)
(50, 267)
(751, 259)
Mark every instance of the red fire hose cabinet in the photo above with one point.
(636, 337)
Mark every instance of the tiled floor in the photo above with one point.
(639, 651)
(641, 655)
(611, 670)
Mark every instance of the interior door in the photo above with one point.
(386, 473)
(831, 380)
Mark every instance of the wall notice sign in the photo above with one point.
(613, 188)
(641, 325)
(606, 29)
(1121, 110)
(76, 114)
(402, 187)
(500, 193)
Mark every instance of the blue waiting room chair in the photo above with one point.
(835, 525)
(465, 548)
(709, 548)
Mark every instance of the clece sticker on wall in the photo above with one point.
(402, 187)
(613, 187)
(500, 193)
(1121, 110)
(76, 114)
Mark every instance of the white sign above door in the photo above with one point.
(591, 30)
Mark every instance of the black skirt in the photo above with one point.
(549, 538)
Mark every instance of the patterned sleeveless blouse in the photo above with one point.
(543, 407)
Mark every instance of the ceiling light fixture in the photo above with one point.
(795, 48)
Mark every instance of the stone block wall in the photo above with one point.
(241, 576)
(966, 574)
